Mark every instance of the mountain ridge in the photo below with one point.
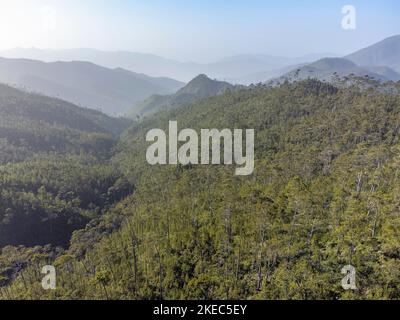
(198, 88)
(225, 69)
(331, 69)
(383, 53)
(241, 69)
(312, 202)
(84, 83)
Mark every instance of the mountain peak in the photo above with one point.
(383, 53)
(201, 77)
(198, 88)
(203, 86)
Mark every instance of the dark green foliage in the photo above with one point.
(47, 197)
(32, 123)
(324, 194)
(55, 174)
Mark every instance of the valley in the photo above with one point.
(78, 192)
(322, 193)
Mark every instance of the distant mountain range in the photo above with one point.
(363, 64)
(329, 69)
(240, 69)
(84, 83)
(262, 76)
(384, 53)
(380, 61)
(231, 69)
(111, 85)
(199, 88)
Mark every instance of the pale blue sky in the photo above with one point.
(200, 30)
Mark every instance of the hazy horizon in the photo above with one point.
(217, 59)
(201, 32)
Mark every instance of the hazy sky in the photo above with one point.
(200, 30)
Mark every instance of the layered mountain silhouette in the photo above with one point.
(380, 61)
(199, 88)
(241, 69)
(384, 53)
(373, 63)
(83, 83)
(262, 76)
(231, 69)
(37, 108)
(331, 69)
(115, 90)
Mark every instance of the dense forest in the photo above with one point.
(324, 194)
(55, 173)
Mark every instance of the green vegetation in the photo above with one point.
(324, 194)
(55, 174)
(30, 124)
(199, 88)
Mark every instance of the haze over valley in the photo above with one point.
(199, 150)
(118, 83)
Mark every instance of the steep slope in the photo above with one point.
(323, 195)
(384, 53)
(36, 123)
(54, 171)
(199, 88)
(83, 83)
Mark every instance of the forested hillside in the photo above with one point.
(200, 87)
(55, 174)
(324, 194)
(30, 123)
